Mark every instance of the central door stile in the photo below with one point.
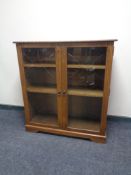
(59, 85)
(64, 88)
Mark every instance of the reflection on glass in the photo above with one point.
(90, 55)
(45, 77)
(85, 78)
(38, 55)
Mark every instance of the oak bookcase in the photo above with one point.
(66, 86)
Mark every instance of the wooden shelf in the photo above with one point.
(76, 92)
(79, 66)
(35, 89)
(83, 92)
(45, 119)
(39, 65)
(83, 66)
(85, 124)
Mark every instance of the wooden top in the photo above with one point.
(84, 41)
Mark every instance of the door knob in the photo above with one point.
(64, 92)
(59, 93)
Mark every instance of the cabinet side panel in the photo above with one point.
(23, 84)
(109, 58)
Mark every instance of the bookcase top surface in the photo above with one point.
(83, 41)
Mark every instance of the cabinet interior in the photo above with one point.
(38, 55)
(86, 78)
(43, 108)
(84, 112)
(42, 77)
(86, 55)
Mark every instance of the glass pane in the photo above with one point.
(43, 108)
(38, 55)
(84, 112)
(41, 76)
(85, 78)
(86, 55)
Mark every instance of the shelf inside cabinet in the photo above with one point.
(37, 89)
(37, 65)
(79, 123)
(83, 66)
(45, 119)
(83, 92)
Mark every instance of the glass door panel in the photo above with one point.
(84, 113)
(41, 77)
(86, 55)
(40, 73)
(43, 108)
(85, 77)
(39, 55)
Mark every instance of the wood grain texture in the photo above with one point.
(59, 85)
(36, 89)
(84, 124)
(94, 137)
(47, 120)
(52, 44)
(64, 88)
(86, 66)
(49, 42)
(83, 92)
(61, 123)
(39, 65)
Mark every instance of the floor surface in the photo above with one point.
(24, 153)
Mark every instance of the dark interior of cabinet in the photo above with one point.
(86, 78)
(43, 108)
(87, 55)
(38, 55)
(84, 112)
(45, 77)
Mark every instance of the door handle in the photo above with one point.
(64, 92)
(59, 93)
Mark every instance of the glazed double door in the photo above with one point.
(65, 86)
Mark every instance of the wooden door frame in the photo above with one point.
(107, 76)
(58, 63)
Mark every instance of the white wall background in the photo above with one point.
(39, 20)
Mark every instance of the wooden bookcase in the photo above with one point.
(66, 86)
